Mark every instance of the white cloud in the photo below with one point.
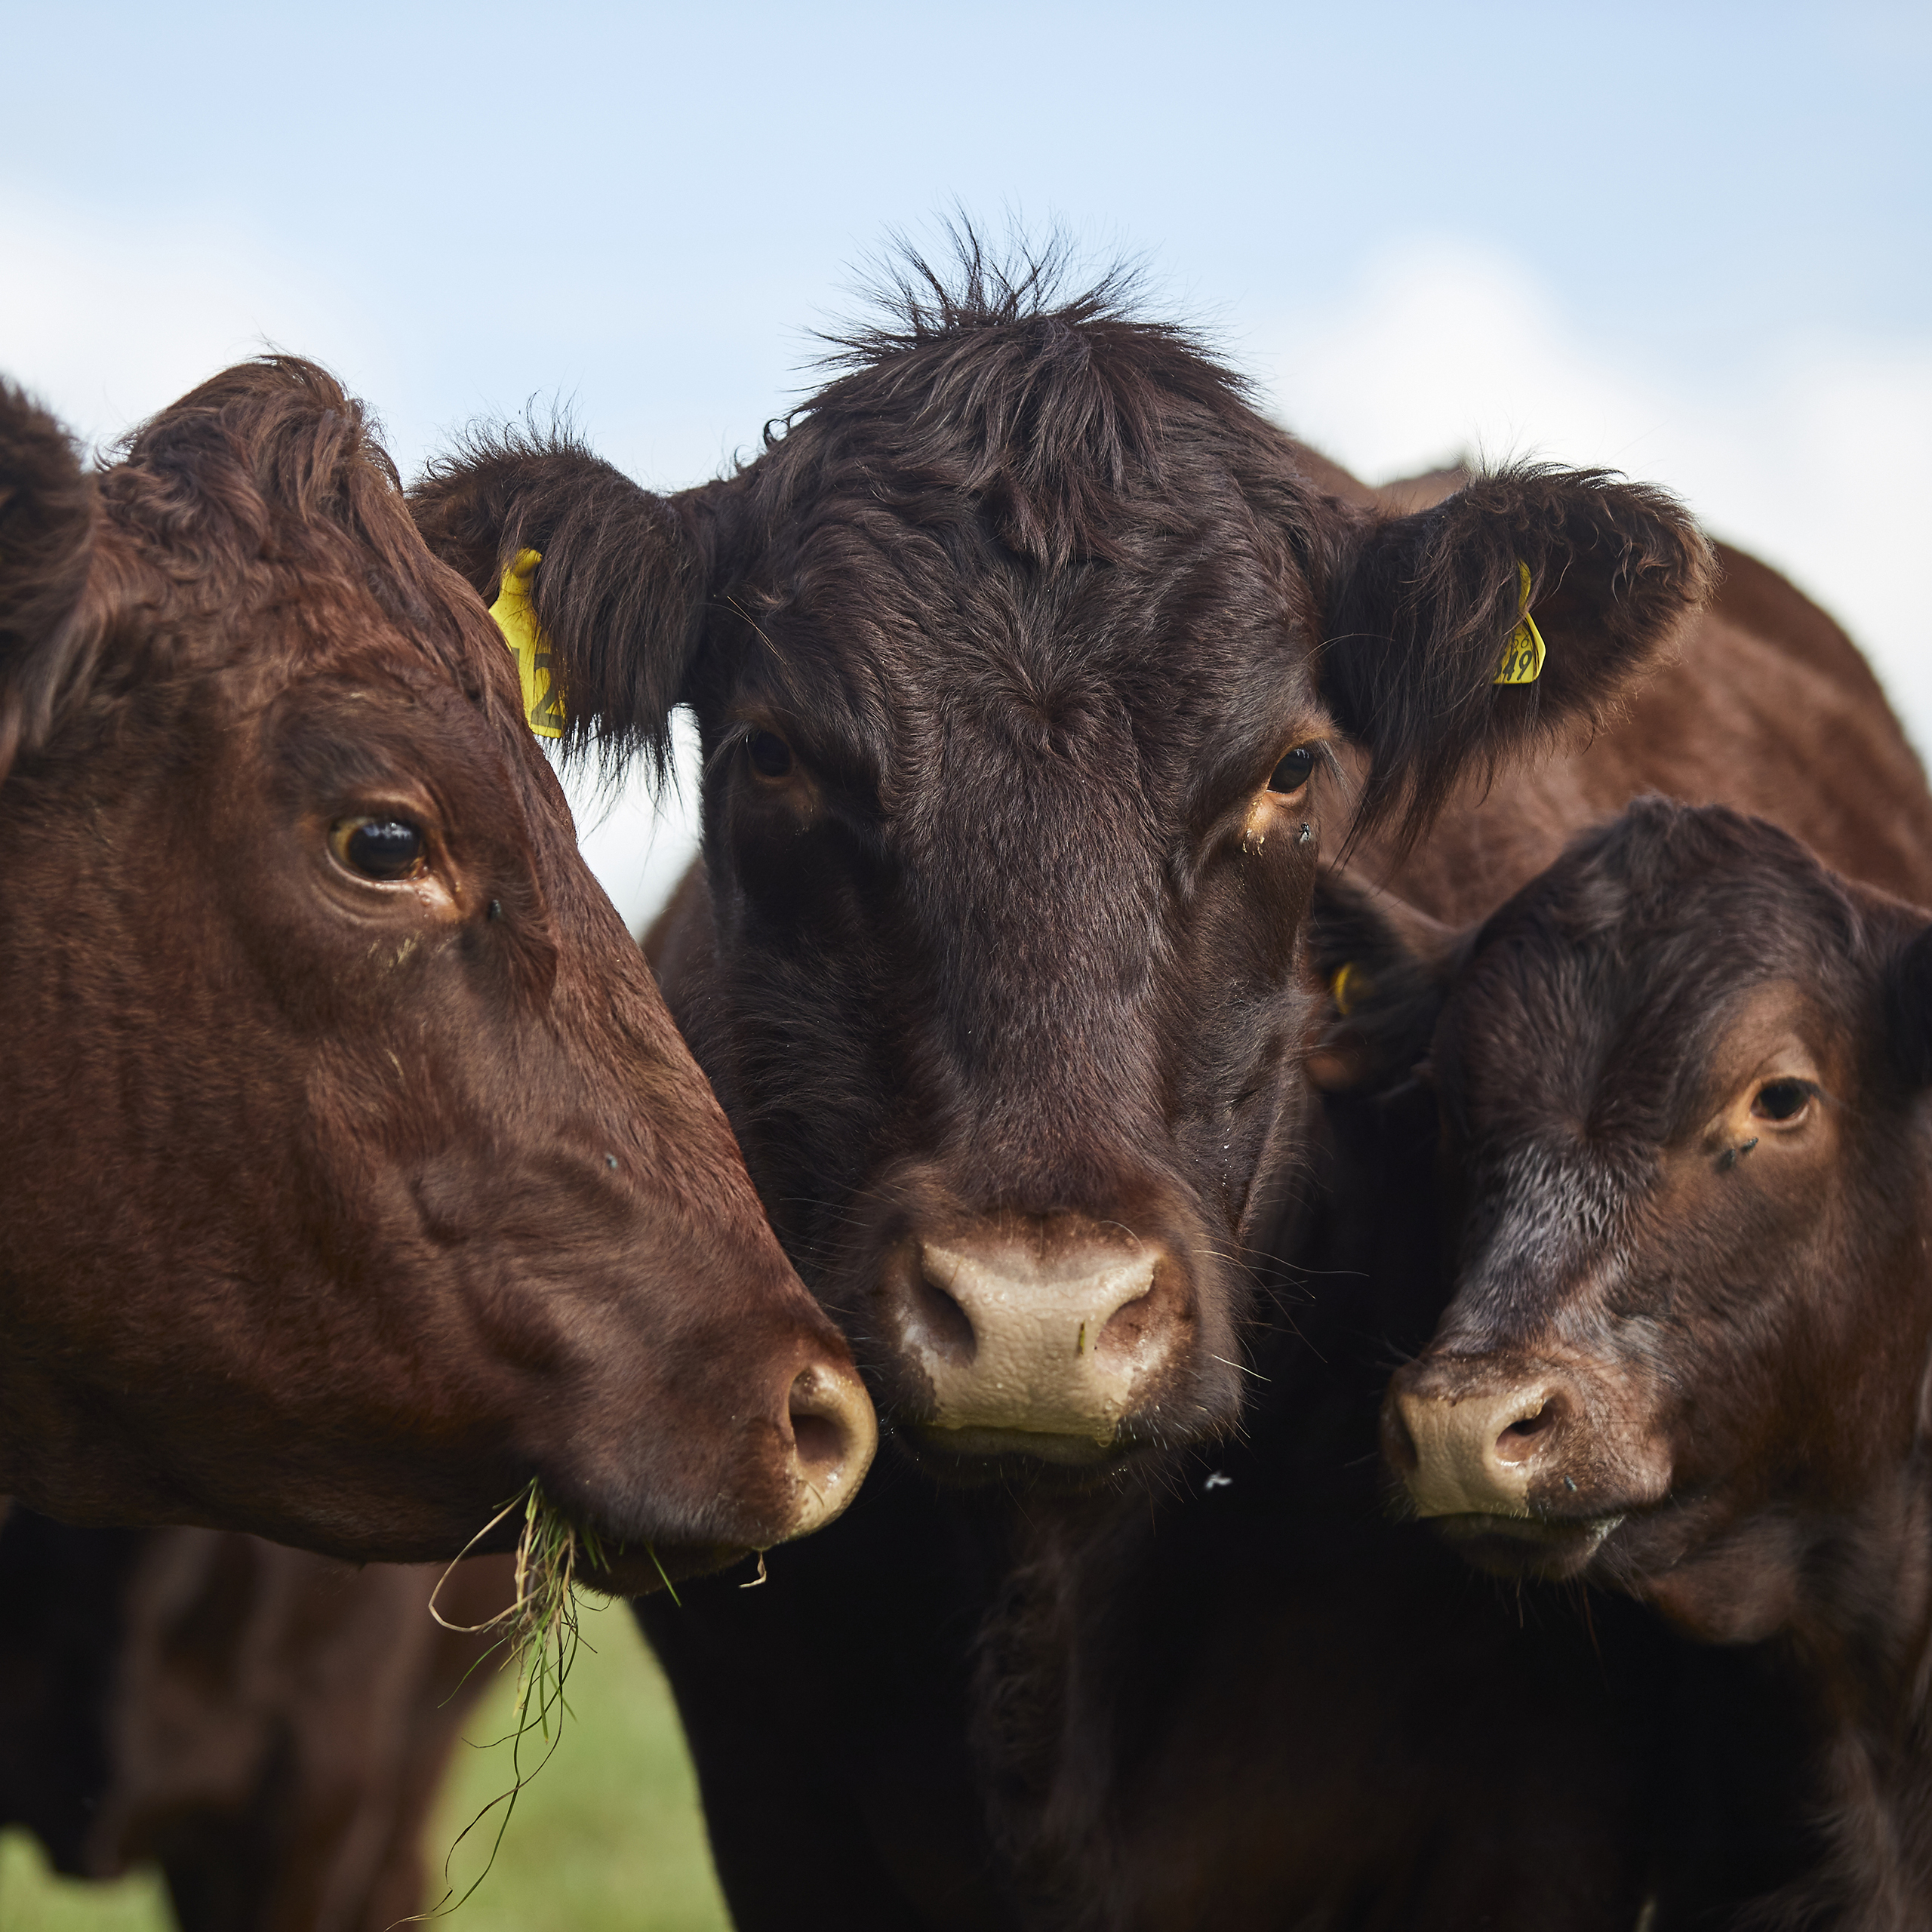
(1809, 452)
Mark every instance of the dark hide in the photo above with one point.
(341, 1206)
(994, 653)
(266, 1726)
(1157, 1700)
(1685, 1073)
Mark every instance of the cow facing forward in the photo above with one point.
(1029, 664)
(356, 1175)
(1685, 1076)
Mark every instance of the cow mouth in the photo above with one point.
(640, 1571)
(1041, 1459)
(1553, 1548)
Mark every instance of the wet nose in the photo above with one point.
(1476, 1450)
(1041, 1342)
(832, 1433)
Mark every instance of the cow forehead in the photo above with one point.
(900, 655)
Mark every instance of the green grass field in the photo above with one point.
(607, 1839)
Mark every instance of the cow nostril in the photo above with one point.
(819, 1441)
(946, 1324)
(1525, 1437)
(833, 1436)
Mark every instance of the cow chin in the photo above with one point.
(1554, 1549)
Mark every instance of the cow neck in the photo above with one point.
(1859, 1650)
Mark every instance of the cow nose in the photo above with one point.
(1476, 1451)
(1043, 1343)
(833, 1435)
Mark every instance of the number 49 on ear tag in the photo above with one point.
(536, 667)
(1523, 655)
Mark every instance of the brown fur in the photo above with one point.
(1762, 1313)
(1038, 602)
(1261, 1703)
(335, 1212)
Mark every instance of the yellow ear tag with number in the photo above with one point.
(535, 668)
(1522, 656)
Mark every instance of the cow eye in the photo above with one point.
(1782, 1099)
(382, 848)
(1294, 771)
(769, 754)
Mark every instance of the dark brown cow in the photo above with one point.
(1019, 661)
(355, 1176)
(1685, 1073)
(1258, 1703)
(268, 1726)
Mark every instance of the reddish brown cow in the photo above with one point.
(1685, 1073)
(268, 1726)
(356, 1176)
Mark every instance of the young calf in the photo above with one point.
(1684, 1076)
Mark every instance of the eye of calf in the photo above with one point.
(1781, 1100)
(380, 848)
(770, 756)
(1293, 771)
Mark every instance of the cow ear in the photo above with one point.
(48, 638)
(1424, 606)
(619, 595)
(1908, 1009)
(1384, 968)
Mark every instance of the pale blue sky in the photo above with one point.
(1692, 241)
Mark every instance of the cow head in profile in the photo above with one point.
(1684, 1077)
(1034, 673)
(355, 1174)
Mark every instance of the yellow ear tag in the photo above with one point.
(1338, 989)
(535, 670)
(1522, 656)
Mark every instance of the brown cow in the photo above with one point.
(1018, 661)
(355, 1176)
(1685, 1075)
(1256, 1701)
(268, 1726)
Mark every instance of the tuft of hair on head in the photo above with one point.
(1043, 395)
(49, 506)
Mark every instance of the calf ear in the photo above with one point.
(48, 642)
(1384, 968)
(621, 592)
(1424, 607)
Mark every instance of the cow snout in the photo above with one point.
(1477, 1451)
(1040, 1343)
(832, 1434)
